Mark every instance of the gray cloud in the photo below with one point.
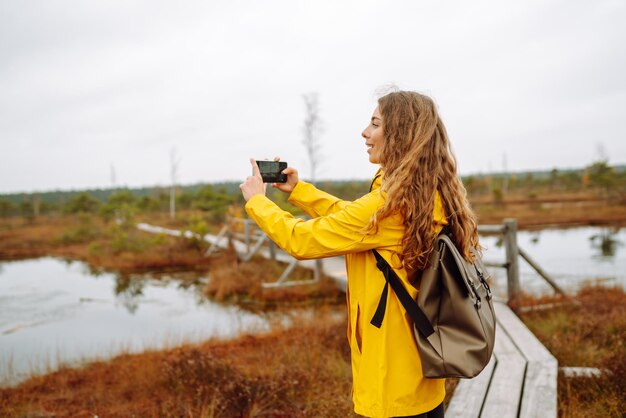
(89, 84)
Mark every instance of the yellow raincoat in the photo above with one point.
(386, 368)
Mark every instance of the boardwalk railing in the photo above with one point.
(249, 240)
(508, 231)
(255, 241)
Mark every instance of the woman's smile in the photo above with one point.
(373, 135)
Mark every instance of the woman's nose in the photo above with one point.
(364, 133)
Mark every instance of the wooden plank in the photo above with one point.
(505, 390)
(581, 371)
(469, 394)
(490, 229)
(524, 339)
(539, 398)
(495, 264)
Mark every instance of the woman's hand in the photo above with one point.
(254, 184)
(292, 179)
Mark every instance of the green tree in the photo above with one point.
(82, 203)
(6, 208)
(123, 197)
(554, 179)
(121, 206)
(27, 210)
(602, 175)
(498, 197)
(199, 228)
(529, 180)
(212, 201)
(86, 230)
(572, 180)
(148, 204)
(184, 200)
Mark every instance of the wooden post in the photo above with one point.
(317, 271)
(283, 277)
(255, 249)
(272, 250)
(215, 244)
(512, 270)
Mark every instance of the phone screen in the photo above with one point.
(268, 167)
(271, 171)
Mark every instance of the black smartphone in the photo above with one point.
(272, 171)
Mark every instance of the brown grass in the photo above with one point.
(102, 245)
(549, 208)
(300, 372)
(303, 372)
(589, 334)
(241, 283)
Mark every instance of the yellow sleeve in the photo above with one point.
(325, 236)
(314, 201)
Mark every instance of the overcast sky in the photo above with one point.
(90, 85)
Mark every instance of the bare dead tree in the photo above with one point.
(312, 130)
(173, 173)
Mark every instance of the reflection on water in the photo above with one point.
(606, 242)
(573, 257)
(53, 311)
(534, 237)
(128, 292)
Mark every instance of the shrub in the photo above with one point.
(86, 231)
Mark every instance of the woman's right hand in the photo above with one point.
(292, 179)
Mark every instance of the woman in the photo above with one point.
(414, 193)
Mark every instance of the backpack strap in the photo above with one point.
(373, 181)
(391, 278)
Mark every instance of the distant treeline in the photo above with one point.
(215, 199)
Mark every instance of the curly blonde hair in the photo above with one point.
(417, 161)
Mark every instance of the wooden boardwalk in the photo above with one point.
(520, 380)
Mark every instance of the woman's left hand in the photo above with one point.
(254, 184)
